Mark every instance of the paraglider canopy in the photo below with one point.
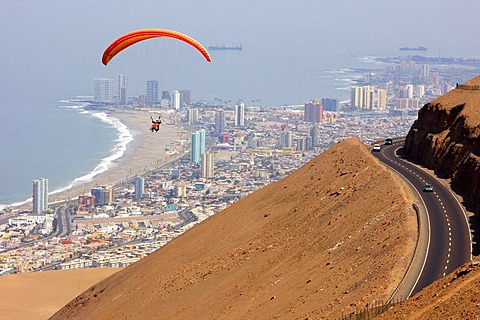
(133, 37)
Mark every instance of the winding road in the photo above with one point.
(445, 240)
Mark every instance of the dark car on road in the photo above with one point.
(428, 187)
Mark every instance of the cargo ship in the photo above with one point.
(224, 47)
(413, 48)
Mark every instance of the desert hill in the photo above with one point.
(455, 296)
(446, 139)
(336, 234)
(38, 295)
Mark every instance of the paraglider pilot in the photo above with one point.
(155, 124)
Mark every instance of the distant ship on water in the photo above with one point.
(224, 47)
(413, 48)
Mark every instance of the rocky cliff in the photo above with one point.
(446, 138)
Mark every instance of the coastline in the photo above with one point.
(144, 151)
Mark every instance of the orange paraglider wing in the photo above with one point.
(133, 37)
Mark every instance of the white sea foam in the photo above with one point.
(76, 107)
(124, 137)
(339, 71)
(345, 80)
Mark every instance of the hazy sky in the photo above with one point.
(53, 48)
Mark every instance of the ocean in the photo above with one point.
(56, 140)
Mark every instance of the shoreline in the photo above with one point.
(143, 151)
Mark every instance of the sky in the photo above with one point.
(54, 48)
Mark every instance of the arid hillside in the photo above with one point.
(336, 234)
(456, 296)
(446, 139)
(38, 295)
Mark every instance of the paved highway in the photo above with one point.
(447, 234)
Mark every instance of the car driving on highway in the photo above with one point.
(428, 187)
(376, 147)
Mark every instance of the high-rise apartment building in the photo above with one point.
(240, 115)
(219, 122)
(198, 146)
(122, 90)
(362, 97)
(420, 90)
(176, 99)
(139, 187)
(103, 195)
(207, 165)
(381, 99)
(286, 139)
(368, 97)
(315, 135)
(192, 115)
(356, 99)
(409, 91)
(330, 104)
(103, 90)
(313, 112)
(407, 103)
(166, 95)
(425, 71)
(185, 98)
(40, 195)
(301, 144)
(152, 92)
(308, 141)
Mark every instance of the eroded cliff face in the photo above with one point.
(446, 138)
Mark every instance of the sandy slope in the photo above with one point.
(455, 296)
(336, 234)
(39, 295)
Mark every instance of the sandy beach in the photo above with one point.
(145, 152)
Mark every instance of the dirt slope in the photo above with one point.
(336, 234)
(456, 296)
(38, 295)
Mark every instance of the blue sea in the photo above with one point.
(57, 140)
